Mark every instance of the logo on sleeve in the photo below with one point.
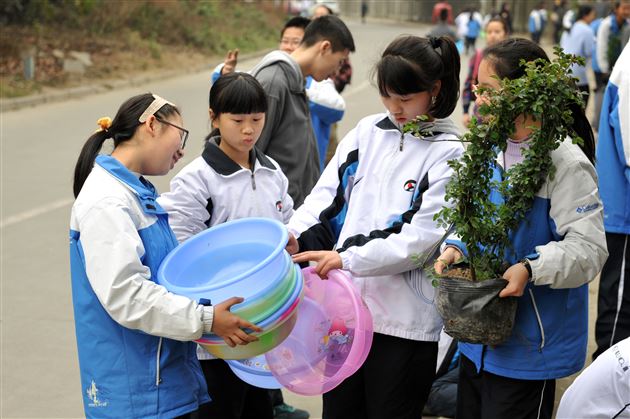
(410, 185)
(587, 208)
(279, 206)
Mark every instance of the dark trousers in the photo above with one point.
(442, 400)
(585, 89)
(393, 383)
(613, 299)
(232, 398)
(536, 36)
(601, 81)
(485, 395)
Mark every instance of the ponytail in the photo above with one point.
(582, 127)
(88, 154)
(448, 95)
(411, 64)
(122, 128)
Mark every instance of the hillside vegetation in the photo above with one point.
(125, 37)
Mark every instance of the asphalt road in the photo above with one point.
(39, 147)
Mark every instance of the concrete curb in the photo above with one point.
(100, 86)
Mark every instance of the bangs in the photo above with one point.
(397, 75)
(237, 94)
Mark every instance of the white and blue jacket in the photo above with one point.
(563, 236)
(613, 148)
(130, 330)
(374, 204)
(537, 20)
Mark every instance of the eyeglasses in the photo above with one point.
(290, 41)
(184, 135)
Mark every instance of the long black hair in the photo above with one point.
(411, 64)
(238, 93)
(123, 127)
(505, 58)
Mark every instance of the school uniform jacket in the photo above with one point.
(213, 189)
(129, 329)
(563, 237)
(613, 148)
(375, 203)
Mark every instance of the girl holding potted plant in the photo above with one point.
(553, 252)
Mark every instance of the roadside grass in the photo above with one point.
(125, 38)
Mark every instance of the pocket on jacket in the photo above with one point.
(419, 282)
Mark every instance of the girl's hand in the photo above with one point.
(326, 260)
(448, 257)
(466, 119)
(229, 326)
(292, 246)
(517, 277)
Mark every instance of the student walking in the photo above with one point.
(579, 41)
(375, 204)
(230, 180)
(537, 22)
(557, 251)
(496, 31)
(133, 336)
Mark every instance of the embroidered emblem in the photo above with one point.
(410, 185)
(92, 393)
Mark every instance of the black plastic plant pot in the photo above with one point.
(473, 312)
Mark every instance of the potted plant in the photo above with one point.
(467, 295)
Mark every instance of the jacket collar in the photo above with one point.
(223, 165)
(144, 190)
(435, 127)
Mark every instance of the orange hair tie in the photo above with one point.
(104, 122)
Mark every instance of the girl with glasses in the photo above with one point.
(133, 336)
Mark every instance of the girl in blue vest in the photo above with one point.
(558, 248)
(133, 336)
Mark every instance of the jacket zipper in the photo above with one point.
(253, 181)
(402, 140)
(540, 325)
(158, 380)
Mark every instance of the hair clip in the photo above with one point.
(435, 44)
(155, 106)
(104, 123)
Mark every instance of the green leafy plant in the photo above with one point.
(543, 93)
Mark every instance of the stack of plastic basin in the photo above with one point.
(241, 258)
(331, 340)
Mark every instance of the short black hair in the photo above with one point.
(329, 28)
(295, 22)
(411, 64)
(238, 93)
(583, 10)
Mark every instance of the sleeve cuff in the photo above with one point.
(345, 261)
(207, 317)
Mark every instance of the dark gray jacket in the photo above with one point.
(288, 135)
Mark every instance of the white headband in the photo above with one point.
(157, 103)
